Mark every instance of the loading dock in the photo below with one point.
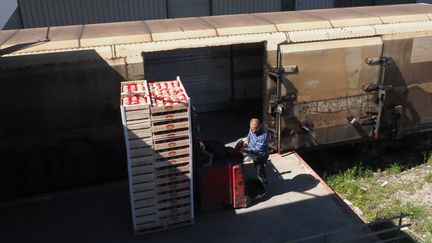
(298, 205)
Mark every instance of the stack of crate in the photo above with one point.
(159, 150)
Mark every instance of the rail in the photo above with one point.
(369, 234)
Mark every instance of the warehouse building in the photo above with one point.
(38, 13)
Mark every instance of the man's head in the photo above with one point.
(255, 125)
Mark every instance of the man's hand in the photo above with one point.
(246, 143)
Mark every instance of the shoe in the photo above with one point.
(261, 195)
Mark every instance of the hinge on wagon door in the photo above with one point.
(278, 72)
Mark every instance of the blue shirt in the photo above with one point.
(258, 142)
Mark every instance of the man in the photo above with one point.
(256, 149)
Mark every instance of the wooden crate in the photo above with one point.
(172, 115)
(167, 154)
(172, 161)
(177, 91)
(144, 106)
(170, 126)
(171, 143)
(170, 134)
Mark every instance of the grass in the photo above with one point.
(428, 178)
(363, 187)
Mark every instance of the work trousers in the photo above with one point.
(260, 162)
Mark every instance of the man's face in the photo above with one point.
(254, 127)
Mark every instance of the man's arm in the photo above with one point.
(247, 139)
(259, 145)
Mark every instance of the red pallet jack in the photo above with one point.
(239, 197)
(225, 183)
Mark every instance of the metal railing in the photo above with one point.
(368, 235)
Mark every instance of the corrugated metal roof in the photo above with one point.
(314, 4)
(221, 7)
(69, 12)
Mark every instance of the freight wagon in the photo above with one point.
(325, 77)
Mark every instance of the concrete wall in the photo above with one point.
(60, 122)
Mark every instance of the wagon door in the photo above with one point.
(319, 98)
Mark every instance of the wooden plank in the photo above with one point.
(183, 211)
(172, 178)
(173, 195)
(137, 115)
(140, 124)
(172, 144)
(161, 109)
(164, 163)
(174, 203)
(144, 195)
(171, 153)
(173, 187)
(144, 203)
(146, 219)
(145, 160)
(172, 170)
(134, 122)
(142, 178)
(170, 135)
(145, 211)
(176, 219)
(144, 229)
(149, 185)
(140, 152)
(142, 169)
(158, 117)
(140, 143)
(143, 108)
(170, 126)
(142, 133)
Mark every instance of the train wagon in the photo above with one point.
(324, 77)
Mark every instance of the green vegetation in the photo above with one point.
(428, 178)
(367, 188)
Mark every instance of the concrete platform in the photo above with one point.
(296, 206)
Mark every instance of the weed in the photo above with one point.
(428, 178)
(394, 168)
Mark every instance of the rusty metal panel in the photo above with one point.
(410, 76)
(221, 7)
(332, 69)
(41, 13)
(325, 93)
